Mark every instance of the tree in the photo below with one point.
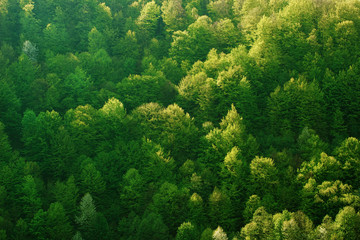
(219, 234)
(131, 191)
(6, 153)
(263, 175)
(66, 193)
(126, 55)
(171, 127)
(220, 209)
(173, 15)
(136, 90)
(260, 227)
(196, 209)
(91, 180)
(207, 234)
(61, 64)
(87, 216)
(30, 197)
(341, 91)
(347, 222)
(148, 21)
(186, 231)
(37, 225)
(170, 203)
(251, 206)
(297, 105)
(327, 197)
(56, 38)
(226, 34)
(348, 154)
(299, 226)
(58, 226)
(310, 145)
(232, 132)
(96, 41)
(249, 15)
(41, 143)
(77, 88)
(128, 226)
(199, 35)
(98, 65)
(152, 227)
(30, 25)
(22, 73)
(81, 125)
(327, 168)
(30, 50)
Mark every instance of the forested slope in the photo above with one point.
(180, 119)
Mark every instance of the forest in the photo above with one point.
(180, 119)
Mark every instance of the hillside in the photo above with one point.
(180, 119)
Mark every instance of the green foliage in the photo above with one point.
(127, 53)
(263, 175)
(58, 226)
(170, 203)
(152, 226)
(220, 209)
(147, 22)
(207, 234)
(131, 191)
(37, 226)
(326, 168)
(348, 154)
(186, 231)
(251, 206)
(196, 209)
(173, 14)
(327, 197)
(298, 104)
(232, 132)
(86, 219)
(136, 90)
(219, 234)
(67, 195)
(310, 144)
(30, 197)
(91, 180)
(5, 148)
(260, 226)
(347, 222)
(178, 117)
